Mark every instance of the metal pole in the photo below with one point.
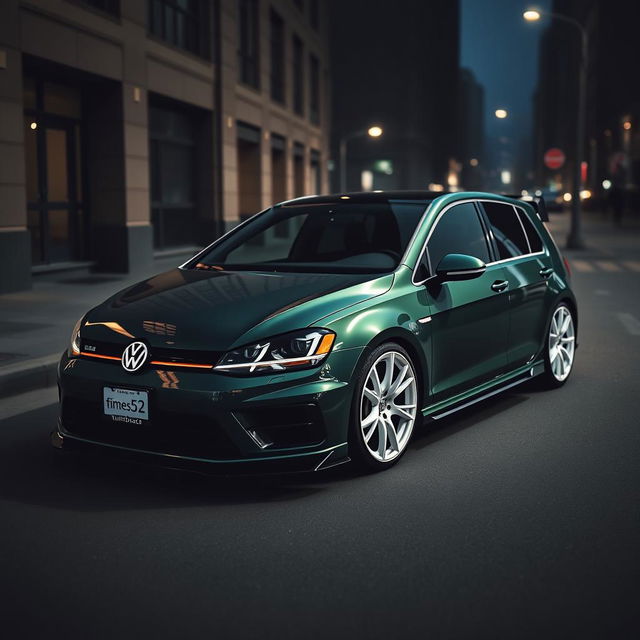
(575, 239)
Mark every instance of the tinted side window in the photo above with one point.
(458, 231)
(507, 229)
(535, 241)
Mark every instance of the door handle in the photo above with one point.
(500, 285)
(546, 273)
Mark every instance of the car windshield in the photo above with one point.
(323, 238)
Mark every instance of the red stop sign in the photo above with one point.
(554, 158)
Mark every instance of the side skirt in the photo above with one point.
(482, 392)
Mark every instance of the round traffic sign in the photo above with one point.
(554, 158)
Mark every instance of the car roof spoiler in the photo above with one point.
(537, 202)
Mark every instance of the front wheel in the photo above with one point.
(560, 347)
(385, 406)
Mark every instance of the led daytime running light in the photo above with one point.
(319, 348)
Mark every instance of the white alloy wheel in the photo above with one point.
(388, 406)
(562, 343)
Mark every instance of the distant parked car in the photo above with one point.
(552, 197)
(322, 329)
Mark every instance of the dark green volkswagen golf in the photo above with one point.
(321, 330)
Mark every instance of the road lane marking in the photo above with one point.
(607, 265)
(630, 323)
(29, 401)
(582, 265)
(632, 265)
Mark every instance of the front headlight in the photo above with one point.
(74, 345)
(296, 350)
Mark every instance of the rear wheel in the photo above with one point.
(560, 347)
(385, 406)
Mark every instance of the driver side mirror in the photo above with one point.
(457, 266)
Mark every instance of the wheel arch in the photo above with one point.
(570, 301)
(410, 343)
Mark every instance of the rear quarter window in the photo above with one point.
(535, 241)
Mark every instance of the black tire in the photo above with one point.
(358, 450)
(548, 380)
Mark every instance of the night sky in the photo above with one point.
(502, 49)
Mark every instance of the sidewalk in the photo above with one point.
(35, 325)
(602, 238)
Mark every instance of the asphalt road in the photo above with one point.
(519, 518)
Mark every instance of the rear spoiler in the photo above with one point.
(537, 202)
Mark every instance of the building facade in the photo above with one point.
(395, 64)
(470, 127)
(141, 128)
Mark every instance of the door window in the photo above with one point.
(458, 231)
(507, 230)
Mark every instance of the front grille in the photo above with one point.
(190, 435)
(162, 357)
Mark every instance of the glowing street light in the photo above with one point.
(531, 15)
(375, 131)
(501, 114)
(574, 239)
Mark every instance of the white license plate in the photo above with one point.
(126, 405)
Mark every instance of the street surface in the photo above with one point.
(518, 518)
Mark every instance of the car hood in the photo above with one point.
(192, 309)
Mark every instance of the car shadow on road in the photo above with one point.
(435, 430)
(31, 472)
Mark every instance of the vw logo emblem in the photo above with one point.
(134, 356)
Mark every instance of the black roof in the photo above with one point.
(364, 197)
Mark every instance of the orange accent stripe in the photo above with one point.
(180, 364)
(157, 362)
(325, 344)
(97, 355)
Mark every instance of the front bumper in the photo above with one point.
(295, 421)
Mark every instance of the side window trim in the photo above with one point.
(489, 237)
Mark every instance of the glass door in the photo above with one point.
(54, 193)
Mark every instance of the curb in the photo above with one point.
(37, 373)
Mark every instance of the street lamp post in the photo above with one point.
(373, 132)
(574, 239)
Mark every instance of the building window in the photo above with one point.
(182, 23)
(298, 170)
(249, 43)
(314, 89)
(298, 76)
(316, 171)
(172, 136)
(108, 6)
(314, 14)
(249, 170)
(277, 57)
(278, 169)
